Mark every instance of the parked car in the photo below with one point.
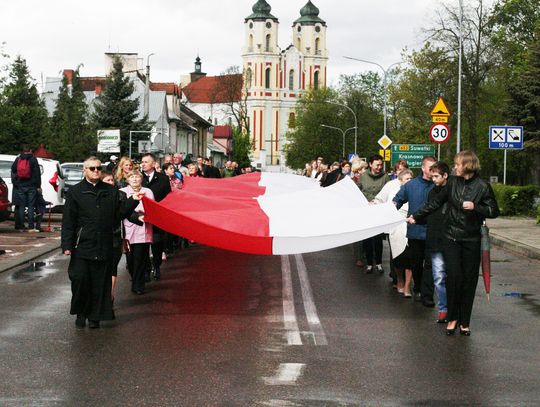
(73, 173)
(4, 201)
(52, 179)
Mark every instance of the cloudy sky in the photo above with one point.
(59, 34)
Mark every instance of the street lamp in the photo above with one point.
(385, 90)
(355, 122)
(458, 142)
(342, 132)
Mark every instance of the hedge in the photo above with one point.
(516, 200)
(538, 214)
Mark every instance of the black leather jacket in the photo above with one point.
(462, 225)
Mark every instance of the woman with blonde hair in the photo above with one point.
(469, 201)
(125, 166)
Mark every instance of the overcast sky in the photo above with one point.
(59, 34)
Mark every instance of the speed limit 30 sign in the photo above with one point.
(439, 133)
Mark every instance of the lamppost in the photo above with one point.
(458, 139)
(385, 89)
(355, 122)
(343, 132)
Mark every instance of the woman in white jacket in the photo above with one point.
(398, 235)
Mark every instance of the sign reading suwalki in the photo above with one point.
(440, 113)
(506, 137)
(108, 141)
(412, 153)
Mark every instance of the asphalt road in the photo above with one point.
(227, 329)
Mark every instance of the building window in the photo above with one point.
(299, 43)
(316, 80)
(267, 78)
(291, 79)
(249, 76)
(250, 45)
(268, 43)
(317, 46)
(292, 120)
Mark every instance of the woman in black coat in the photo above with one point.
(470, 200)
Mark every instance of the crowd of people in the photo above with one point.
(436, 254)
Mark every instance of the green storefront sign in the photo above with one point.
(412, 153)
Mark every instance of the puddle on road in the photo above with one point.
(528, 300)
(33, 271)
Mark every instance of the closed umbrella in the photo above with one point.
(485, 247)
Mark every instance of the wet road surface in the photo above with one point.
(227, 329)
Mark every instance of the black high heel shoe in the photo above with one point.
(451, 331)
(464, 332)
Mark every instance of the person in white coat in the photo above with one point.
(398, 235)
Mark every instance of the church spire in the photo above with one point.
(261, 12)
(309, 15)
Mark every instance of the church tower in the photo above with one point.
(309, 37)
(275, 79)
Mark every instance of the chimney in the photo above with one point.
(68, 73)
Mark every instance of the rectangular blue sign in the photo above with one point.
(506, 137)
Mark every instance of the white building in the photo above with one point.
(275, 78)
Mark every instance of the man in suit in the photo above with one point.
(161, 187)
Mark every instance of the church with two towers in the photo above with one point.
(275, 78)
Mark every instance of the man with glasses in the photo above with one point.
(92, 211)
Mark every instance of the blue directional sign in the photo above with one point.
(506, 137)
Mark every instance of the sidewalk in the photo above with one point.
(520, 235)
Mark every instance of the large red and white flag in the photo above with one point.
(268, 213)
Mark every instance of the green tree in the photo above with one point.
(117, 108)
(242, 147)
(306, 139)
(523, 107)
(23, 117)
(72, 139)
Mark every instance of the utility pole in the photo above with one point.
(458, 143)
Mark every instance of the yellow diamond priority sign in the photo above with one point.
(385, 142)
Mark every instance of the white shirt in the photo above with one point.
(150, 176)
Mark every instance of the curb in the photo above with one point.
(29, 256)
(515, 246)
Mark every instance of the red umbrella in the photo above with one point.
(485, 247)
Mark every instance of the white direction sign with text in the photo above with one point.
(108, 141)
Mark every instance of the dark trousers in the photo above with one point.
(90, 288)
(26, 198)
(420, 259)
(137, 262)
(373, 249)
(462, 261)
(157, 248)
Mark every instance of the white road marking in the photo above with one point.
(309, 304)
(289, 313)
(286, 375)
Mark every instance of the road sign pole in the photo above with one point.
(438, 152)
(504, 168)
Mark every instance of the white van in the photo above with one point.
(52, 179)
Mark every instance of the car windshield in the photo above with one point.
(5, 169)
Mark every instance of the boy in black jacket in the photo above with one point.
(434, 241)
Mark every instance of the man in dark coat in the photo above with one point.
(26, 183)
(92, 212)
(161, 187)
(209, 170)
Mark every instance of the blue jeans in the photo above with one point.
(26, 198)
(439, 279)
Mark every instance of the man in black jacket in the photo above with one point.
(26, 180)
(161, 187)
(92, 212)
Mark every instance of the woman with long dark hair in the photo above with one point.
(470, 200)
